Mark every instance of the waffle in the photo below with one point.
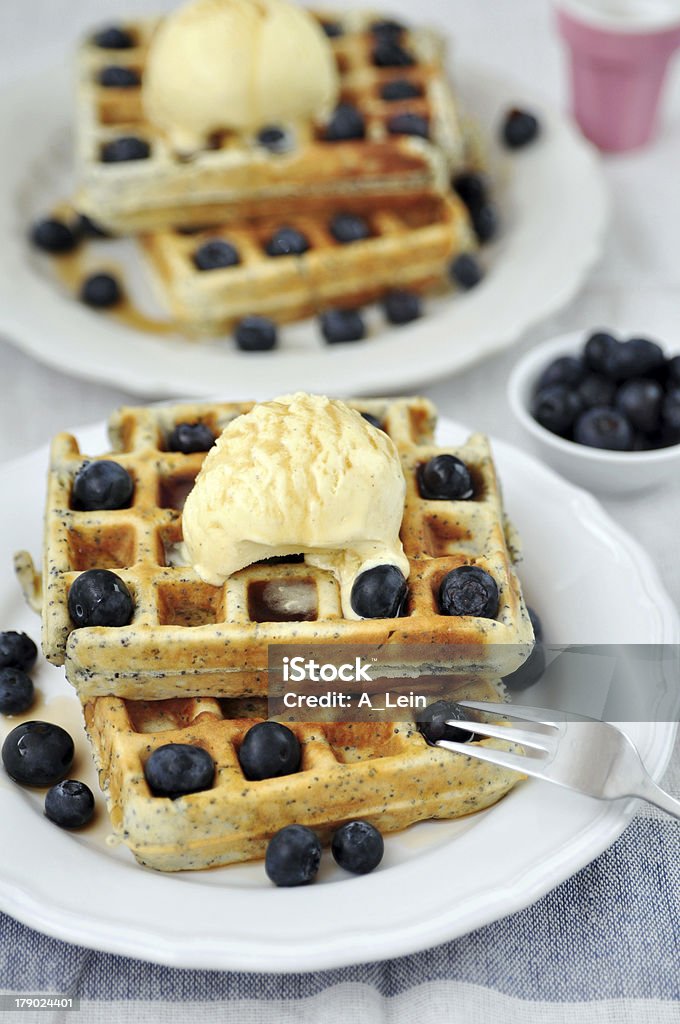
(408, 247)
(234, 177)
(190, 639)
(385, 773)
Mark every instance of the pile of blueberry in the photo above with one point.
(269, 750)
(620, 395)
(38, 753)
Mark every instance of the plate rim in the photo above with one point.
(156, 375)
(247, 955)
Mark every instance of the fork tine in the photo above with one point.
(537, 740)
(503, 758)
(530, 714)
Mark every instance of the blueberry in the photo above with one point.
(640, 402)
(432, 722)
(556, 408)
(388, 28)
(113, 38)
(469, 590)
(645, 356)
(340, 325)
(88, 228)
(379, 593)
(485, 221)
(465, 271)
(519, 128)
(603, 427)
(273, 138)
(472, 188)
(52, 235)
(102, 485)
(402, 307)
(17, 651)
(445, 477)
(596, 389)
(256, 334)
(566, 370)
(409, 124)
(673, 370)
(176, 769)
(16, 691)
(647, 442)
(101, 291)
(115, 77)
(99, 598)
(536, 623)
(190, 437)
(37, 753)
(268, 751)
(287, 242)
(332, 29)
(293, 856)
(346, 123)
(70, 804)
(348, 227)
(357, 846)
(373, 420)
(127, 147)
(216, 255)
(400, 89)
(389, 53)
(598, 350)
(670, 417)
(529, 672)
(637, 357)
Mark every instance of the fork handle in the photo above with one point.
(654, 794)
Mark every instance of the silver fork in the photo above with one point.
(588, 756)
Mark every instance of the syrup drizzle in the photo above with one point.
(71, 269)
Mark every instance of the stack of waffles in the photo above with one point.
(192, 666)
(240, 189)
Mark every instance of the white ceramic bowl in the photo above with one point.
(596, 469)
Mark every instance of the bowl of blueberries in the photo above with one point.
(602, 408)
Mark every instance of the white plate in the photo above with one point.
(590, 582)
(554, 207)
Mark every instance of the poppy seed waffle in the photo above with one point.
(236, 176)
(188, 638)
(410, 247)
(385, 773)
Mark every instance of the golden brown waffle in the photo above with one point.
(410, 247)
(188, 638)
(234, 176)
(382, 772)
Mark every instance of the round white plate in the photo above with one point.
(554, 208)
(589, 581)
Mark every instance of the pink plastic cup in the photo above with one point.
(619, 52)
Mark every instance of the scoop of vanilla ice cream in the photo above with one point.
(237, 65)
(302, 474)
